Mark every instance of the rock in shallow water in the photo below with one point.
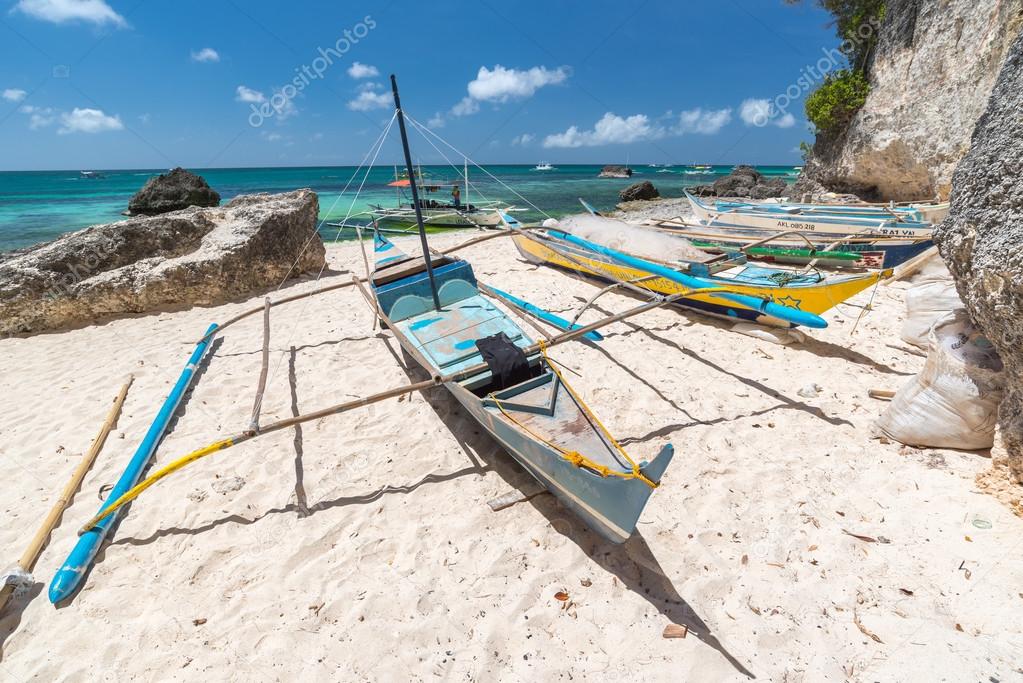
(982, 239)
(193, 256)
(641, 190)
(172, 191)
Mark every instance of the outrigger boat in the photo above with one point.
(791, 247)
(438, 216)
(518, 396)
(808, 292)
(916, 211)
(827, 225)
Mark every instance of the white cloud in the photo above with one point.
(244, 94)
(465, 106)
(761, 112)
(370, 97)
(523, 139)
(14, 94)
(611, 129)
(39, 117)
(436, 121)
(88, 121)
(500, 84)
(786, 120)
(360, 70)
(207, 54)
(60, 11)
(702, 121)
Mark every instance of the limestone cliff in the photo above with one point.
(982, 240)
(931, 73)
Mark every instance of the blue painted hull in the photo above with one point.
(69, 576)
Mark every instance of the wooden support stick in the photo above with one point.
(883, 394)
(261, 384)
(907, 269)
(31, 554)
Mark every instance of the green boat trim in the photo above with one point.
(778, 252)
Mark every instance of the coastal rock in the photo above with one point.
(172, 191)
(743, 181)
(637, 191)
(930, 76)
(769, 187)
(612, 171)
(194, 256)
(982, 243)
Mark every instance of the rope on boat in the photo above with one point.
(575, 457)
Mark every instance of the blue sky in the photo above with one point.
(219, 83)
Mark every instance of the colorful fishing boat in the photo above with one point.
(808, 292)
(438, 215)
(921, 212)
(833, 226)
(520, 399)
(797, 248)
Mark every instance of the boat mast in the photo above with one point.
(415, 193)
(465, 174)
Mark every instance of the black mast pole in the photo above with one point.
(415, 193)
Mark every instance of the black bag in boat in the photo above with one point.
(507, 362)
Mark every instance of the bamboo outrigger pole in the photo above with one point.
(437, 380)
(35, 548)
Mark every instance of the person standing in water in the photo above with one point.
(456, 197)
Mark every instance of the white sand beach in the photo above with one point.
(792, 544)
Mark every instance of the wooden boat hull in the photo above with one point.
(872, 254)
(806, 293)
(835, 226)
(538, 420)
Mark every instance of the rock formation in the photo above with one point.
(172, 191)
(615, 172)
(930, 76)
(193, 256)
(637, 191)
(982, 239)
(743, 181)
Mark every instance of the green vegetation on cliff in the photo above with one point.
(835, 101)
(843, 92)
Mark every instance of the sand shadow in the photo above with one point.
(10, 619)
(786, 402)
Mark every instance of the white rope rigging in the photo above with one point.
(377, 145)
(423, 128)
(301, 253)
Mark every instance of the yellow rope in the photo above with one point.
(574, 457)
(133, 493)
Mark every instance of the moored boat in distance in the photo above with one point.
(543, 166)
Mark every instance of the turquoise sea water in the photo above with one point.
(39, 206)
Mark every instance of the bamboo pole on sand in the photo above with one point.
(35, 547)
